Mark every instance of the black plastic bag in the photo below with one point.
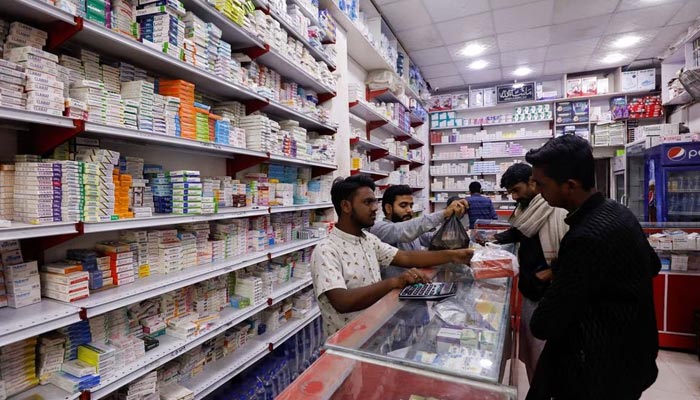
(451, 235)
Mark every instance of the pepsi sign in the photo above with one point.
(677, 153)
(680, 153)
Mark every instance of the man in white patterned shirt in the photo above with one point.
(345, 267)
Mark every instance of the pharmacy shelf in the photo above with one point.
(127, 49)
(607, 96)
(478, 158)
(573, 123)
(695, 273)
(288, 289)
(290, 69)
(365, 111)
(35, 11)
(464, 174)
(170, 141)
(515, 139)
(413, 141)
(11, 114)
(274, 158)
(397, 159)
(173, 219)
(315, 52)
(46, 392)
(221, 371)
(394, 130)
(305, 121)
(307, 13)
(492, 124)
(171, 347)
(500, 106)
(19, 230)
(359, 47)
(367, 145)
(299, 207)
(232, 33)
(376, 175)
(47, 315)
(155, 285)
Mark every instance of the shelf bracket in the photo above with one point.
(242, 162)
(372, 125)
(252, 106)
(43, 139)
(377, 154)
(60, 32)
(255, 52)
(417, 124)
(371, 94)
(415, 146)
(324, 97)
(85, 394)
(318, 171)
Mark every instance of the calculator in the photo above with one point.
(428, 291)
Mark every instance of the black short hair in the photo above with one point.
(394, 191)
(516, 173)
(565, 157)
(452, 200)
(475, 187)
(345, 189)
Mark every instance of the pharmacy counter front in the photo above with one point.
(453, 349)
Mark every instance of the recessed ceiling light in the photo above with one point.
(478, 64)
(473, 50)
(627, 41)
(522, 71)
(613, 58)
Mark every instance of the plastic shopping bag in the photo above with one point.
(492, 261)
(451, 235)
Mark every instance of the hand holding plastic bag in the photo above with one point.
(451, 235)
(492, 261)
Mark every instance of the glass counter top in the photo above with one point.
(338, 376)
(467, 335)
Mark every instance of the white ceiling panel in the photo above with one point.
(466, 28)
(526, 16)
(490, 43)
(493, 60)
(537, 71)
(406, 14)
(652, 52)
(608, 42)
(447, 82)
(586, 28)
(643, 18)
(527, 56)
(578, 48)
(436, 55)
(573, 64)
(439, 70)
(496, 4)
(482, 76)
(445, 10)
(669, 34)
(626, 5)
(524, 39)
(687, 13)
(596, 61)
(421, 38)
(571, 10)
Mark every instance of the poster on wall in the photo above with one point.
(515, 92)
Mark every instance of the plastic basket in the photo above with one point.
(691, 82)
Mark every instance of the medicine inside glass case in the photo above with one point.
(467, 335)
(337, 376)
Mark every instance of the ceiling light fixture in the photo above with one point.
(473, 50)
(626, 41)
(517, 85)
(613, 58)
(522, 71)
(478, 64)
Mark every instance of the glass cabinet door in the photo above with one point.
(634, 180)
(683, 195)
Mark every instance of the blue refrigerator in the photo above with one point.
(672, 183)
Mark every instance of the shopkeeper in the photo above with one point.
(400, 229)
(345, 266)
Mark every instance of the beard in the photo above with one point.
(360, 223)
(395, 218)
(523, 203)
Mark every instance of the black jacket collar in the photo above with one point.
(593, 202)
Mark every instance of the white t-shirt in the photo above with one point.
(345, 261)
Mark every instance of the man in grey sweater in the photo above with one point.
(400, 229)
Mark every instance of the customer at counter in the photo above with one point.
(598, 314)
(538, 228)
(345, 266)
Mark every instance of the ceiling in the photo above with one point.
(548, 36)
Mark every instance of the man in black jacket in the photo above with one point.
(598, 314)
(534, 223)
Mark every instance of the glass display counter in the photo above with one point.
(339, 376)
(466, 338)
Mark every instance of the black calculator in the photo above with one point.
(428, 291)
